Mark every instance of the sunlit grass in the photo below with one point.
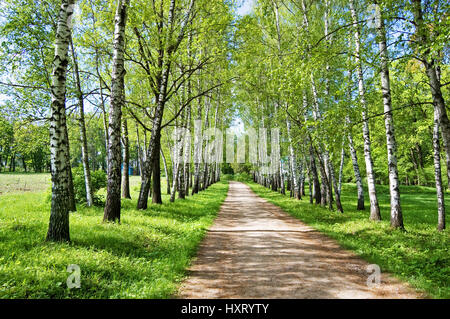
(22, 182)
(420, 255)
(143, 257)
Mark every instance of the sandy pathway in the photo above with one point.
(255, 250)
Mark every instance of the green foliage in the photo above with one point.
(241, 168)
(242, 177)
(227, 169)
(419, 255)
(226, 177)
(146, 256)
(98, 181)
(96, 142)
(32, 142)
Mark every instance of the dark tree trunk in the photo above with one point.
(434, 80)
(140, 153)
(316, 184)
(156, 194)
(325, 182)
(299, 192)
(72, 202)
(359, 185)
(337, 195)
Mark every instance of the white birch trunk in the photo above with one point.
(437, 173)
(83, 138)
(374, 207)
(396, 209)
(112, 205)
(58, 229)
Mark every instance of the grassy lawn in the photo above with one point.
(420, 255)
(143, 257)
(20, 182)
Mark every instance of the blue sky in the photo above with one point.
(245, 8)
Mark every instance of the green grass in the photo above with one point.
(420, 255)
(143, 257)
(22, 182)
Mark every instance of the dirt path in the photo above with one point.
(255, 250)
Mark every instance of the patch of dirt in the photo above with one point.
(255, 250)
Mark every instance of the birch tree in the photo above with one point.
(396, 209)
(125, 160)
(374, 207)
(168, 47)
(82, 124)
(428, 59)
(58, 229)
(112, 205)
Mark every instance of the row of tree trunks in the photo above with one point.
(168, 48)
(440, 112)
(324, 193)
(12, 162)
(319, 160)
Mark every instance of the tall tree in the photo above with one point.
(437, 172)
(396, 209)
(167, 48)
(125, 160)
(112, 205)
(426, 56)
(374, 207)
(82, 124)
(58, 229)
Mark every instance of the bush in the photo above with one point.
(226, 177)
(243, 177)
(227, 169)
(98, 180)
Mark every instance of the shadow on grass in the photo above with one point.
(143, 257)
